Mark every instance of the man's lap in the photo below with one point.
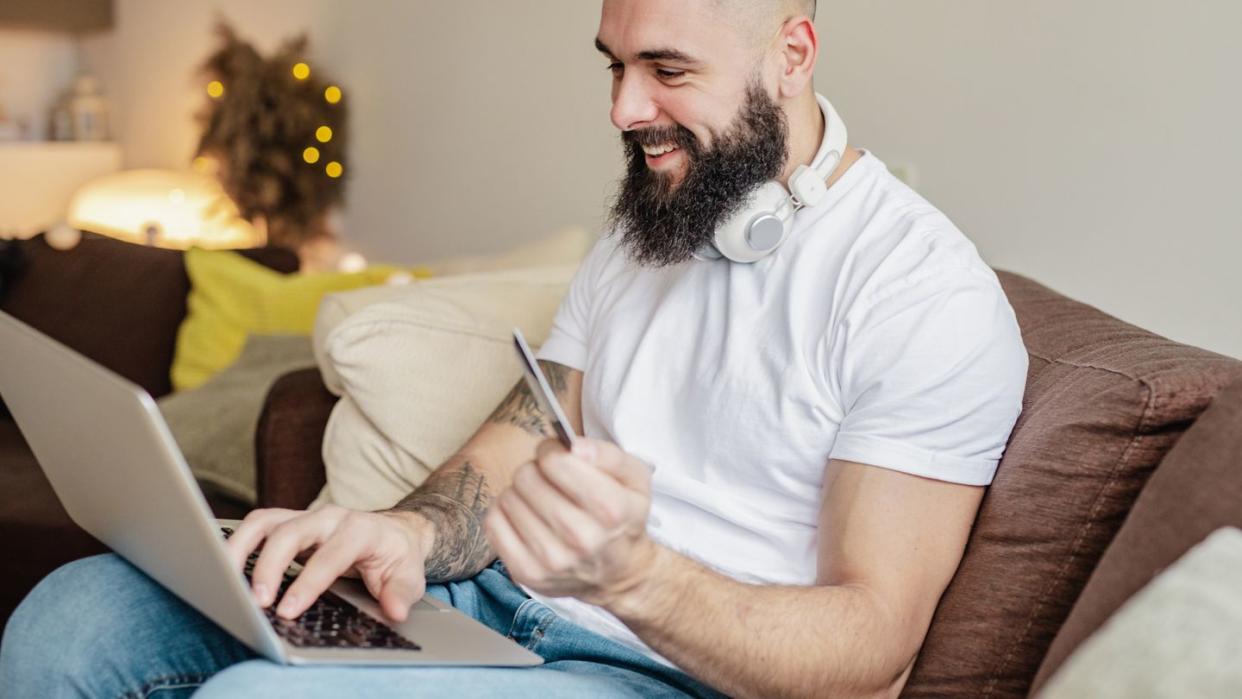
(262, 678)
(101, 627)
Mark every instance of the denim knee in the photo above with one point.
(60, 628)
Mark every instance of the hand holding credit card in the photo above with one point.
(538, 384)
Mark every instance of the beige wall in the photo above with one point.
(147, 64)
(35, 68)
(1093, 146)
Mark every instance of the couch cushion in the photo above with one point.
(118, 303)
(423, 372)
(1104, 401)
(232, 297)
(1180, 636)
(1196, 490)
(214, 424)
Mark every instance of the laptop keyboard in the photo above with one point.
(330, 622)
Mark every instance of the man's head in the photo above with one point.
(711, 97)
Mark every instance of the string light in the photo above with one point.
(301, 71)
(215, 89)
(311, 155)
(323, 134)
(333, 169)
(332, 94)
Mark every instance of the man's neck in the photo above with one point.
(806, 133)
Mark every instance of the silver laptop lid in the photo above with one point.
(109, 456)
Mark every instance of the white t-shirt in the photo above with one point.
(874, 334)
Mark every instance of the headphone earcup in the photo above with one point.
(758, 227)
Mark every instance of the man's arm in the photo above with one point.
(455, 497)
(889, 545)
(574, 524)
(434, 535)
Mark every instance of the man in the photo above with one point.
(783, 463)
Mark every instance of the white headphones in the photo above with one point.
(761, 224)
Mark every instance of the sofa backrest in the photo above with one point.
(118, 303)
(1104, 402)
(1196, 490)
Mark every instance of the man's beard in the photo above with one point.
(662, 224)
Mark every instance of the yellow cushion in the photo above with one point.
(232, 297)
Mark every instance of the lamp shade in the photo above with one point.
(164, 208)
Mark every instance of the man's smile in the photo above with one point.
(662, 156)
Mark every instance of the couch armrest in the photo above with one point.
(289, 440)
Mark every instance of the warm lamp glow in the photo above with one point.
(311, 155)
(323, 134)
(301, 71)
(215, 89)
(332, 94)
(165, 208)
(333, 169)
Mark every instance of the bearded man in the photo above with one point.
(782, 458)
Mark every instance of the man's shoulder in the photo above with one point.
(900, 242)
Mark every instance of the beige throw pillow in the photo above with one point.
(565, 247)
(1181, 636)
(368, 470)
(424, 371)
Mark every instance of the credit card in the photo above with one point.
(539, 386)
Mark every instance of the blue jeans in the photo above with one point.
(99, 627)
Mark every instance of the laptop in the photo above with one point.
(113, 463)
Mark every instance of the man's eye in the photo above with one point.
(666, 74)
(615, 68)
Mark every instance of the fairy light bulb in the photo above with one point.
(301, 71)
(215, 89)
(333, 169)
(311, 155)
(332, 94)
(323, 134)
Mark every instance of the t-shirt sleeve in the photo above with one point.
(567, 341)
(931, 378)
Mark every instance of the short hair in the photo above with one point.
(787, 7)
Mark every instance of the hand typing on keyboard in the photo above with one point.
(386, 550)
(330, 622)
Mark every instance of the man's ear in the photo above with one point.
(796, 50)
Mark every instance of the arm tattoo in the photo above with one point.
(520, 408)
(455, 497)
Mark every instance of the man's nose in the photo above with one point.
(632, 105)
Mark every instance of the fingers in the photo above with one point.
(368, 543)
(580, 528)
(595, 491)
(252, 531)
(605, 456)
(285, 541)
(508, 545)
(538, 538)
(336, 556)
(610, 458)
(399, 592)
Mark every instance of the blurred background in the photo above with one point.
(1091, 146)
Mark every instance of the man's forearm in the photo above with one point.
(767, 640)
(455, 497)
(453, 500)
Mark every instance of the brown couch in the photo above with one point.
(120, 305)
(1098, 490)
(1105, 403)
